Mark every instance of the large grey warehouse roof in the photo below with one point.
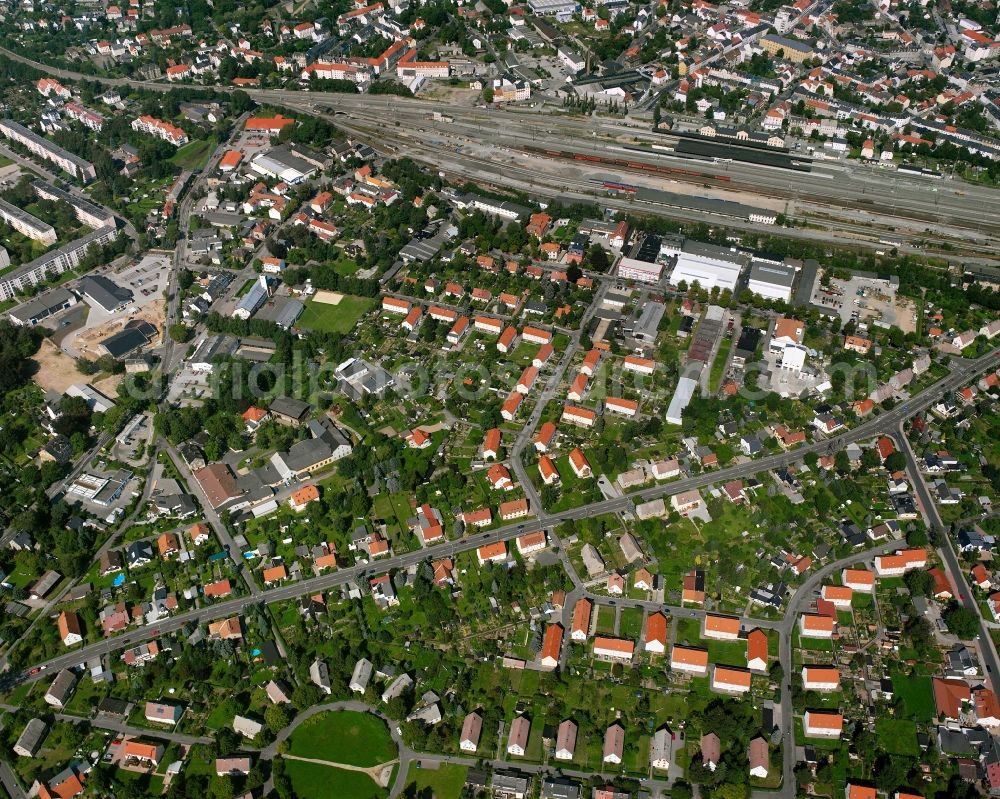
(778, 275)
(104, 292)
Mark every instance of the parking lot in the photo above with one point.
(147, 279)
(188, 388)
(250, 143)
(866, 299)
(132, 441)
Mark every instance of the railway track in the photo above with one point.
(527, 179)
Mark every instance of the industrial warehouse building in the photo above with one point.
(282, 164)
(709, 266)
(135, 335)
(772, 281)
(43, 306)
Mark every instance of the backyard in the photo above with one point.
(446, 780)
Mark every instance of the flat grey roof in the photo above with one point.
(213, 346)
(284, 159)
(424, 249)
(52, 147)
(104, 292)
(778, 275)
(11, 211)
(283, 311)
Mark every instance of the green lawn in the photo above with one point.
(312, 779)
(194, 154)
(446, 781)
(727, 653)
(631, 623)
(715, 377)
(897, 736)
(145, 784)
(221, 716)
(355, 739)
(816, 644)
(339, 318)
(345, 266)
(605, 620)
(917, 694)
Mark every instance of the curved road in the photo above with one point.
(406, 755)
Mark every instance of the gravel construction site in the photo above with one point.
(56, 370)
(86, 342)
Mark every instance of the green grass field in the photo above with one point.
(314, 780)
(339, 318)
(916, 693)
(446, 780)
(816, 644)
(194, 154)
(727, 653)
(897, 736)
(355, 739)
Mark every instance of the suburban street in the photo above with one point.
(527, 433)
(946, 551)
(212, 517)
